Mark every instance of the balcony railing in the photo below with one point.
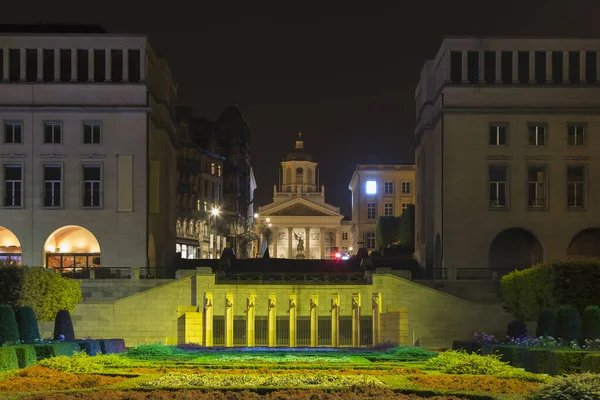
(293, 279)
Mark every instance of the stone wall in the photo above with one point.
(411, 313)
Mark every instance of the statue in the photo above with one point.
(300, 247)
(292, 304)
(271, 304)
(250, 302)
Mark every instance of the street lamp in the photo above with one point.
(255, 215)
(215, 213)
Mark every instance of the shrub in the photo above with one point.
(55, 349)
(39, 379)
(91, 347)
(25, 356)
(590, 323)
(112, 346)
(516, 329)
(525, 293)
(9, 331)
(29, 330)
(487, 384)
(387, 231)
(591, 363)
(568, 323)
(63, 326)
(571, 387)
(514, 355)
(45, 290)
(546, 321)
(8, 359)
(462, 363)
(469, 346)
(563, 362)
(537, 360)
(153, 350)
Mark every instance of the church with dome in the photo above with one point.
(299, 224)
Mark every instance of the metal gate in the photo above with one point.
(325, 331)
(218, 331)
(345, 331)
(261, 333)
(239, 331)
(303, 331)
(283, 331)
(366, 331)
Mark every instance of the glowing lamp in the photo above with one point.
(215, 212)
(270, 225)
(338, 255)
(50, 249)
(371, 187)
(256, 215)
(268, 219)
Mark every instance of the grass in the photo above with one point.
(341, 374)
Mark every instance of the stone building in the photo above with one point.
(378, 190)
(88, 162)
(299, 223)
(199, 192)
(506, 154)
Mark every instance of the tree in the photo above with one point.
(407, 226)
(29, 330)
(44, 290)
(387, 231)
(9, 331)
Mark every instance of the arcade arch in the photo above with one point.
(71, 247)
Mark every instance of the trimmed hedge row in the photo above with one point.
(13, 357)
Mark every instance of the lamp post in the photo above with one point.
(214, 213)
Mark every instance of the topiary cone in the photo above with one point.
(29, 330)
(546, 321)
(590, 323)
(9, 331)
(516, 329)
(63, 326)
(568, 323)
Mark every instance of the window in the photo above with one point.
(388, 209)
(52, 133)
(65, 65)
(576, 186)
(537, 135)
(219, 172)
(14, 65)
(473, 67)
(344, 235)
(404, 206)
(91, 133)
(116, 65)
(523, 69)
(371, 187)
(198, 205)
(52, 185)
(13, 185)
(371, 213)
(574, 67)
(218, 192)
(405, 187)
(590, 66)
(498, 135)
(13, 132)
(456, 66)
(134, 65)
(99, 65)
(82, 65)
(536, 176)
(31, 61)
(205, 207)
(490, 66)
(48, 64)
(212, 168)
(576, 135)
(92, 185)
(539, 66)
(388, 187)
(557, 66)
(370, 240)
(506, 71)
(498, 183)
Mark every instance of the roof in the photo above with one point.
(298, 154)
(51, 28)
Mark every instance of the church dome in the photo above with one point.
(298, 154)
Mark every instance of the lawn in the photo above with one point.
(160, 372)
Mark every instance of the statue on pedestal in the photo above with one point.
(300, 246)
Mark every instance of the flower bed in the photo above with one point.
(471, 383)
(41, 379)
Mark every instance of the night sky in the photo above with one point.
(343, 75)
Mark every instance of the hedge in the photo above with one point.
(8, 358)
(563, 362)
(44, 290)
(590, 323)
(537, 360)
(515, 355)
(591, 363)
(526, 292)
(112, 346)
(91, 347)
(56, 349)
(470, 346)
(25, 355)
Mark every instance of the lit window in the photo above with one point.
(371, 187)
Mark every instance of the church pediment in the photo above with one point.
(300, 210)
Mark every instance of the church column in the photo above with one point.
(338, 238)
(307, 249)
(250, 313)
(335, 320)
(272, 320)
(322, 243)
(229, 320)
(292, 312)
(314, 320)
(290, 237)
(356, 320)
(376, 318)
(208, 321)
(274, 239)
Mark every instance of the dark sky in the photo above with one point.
(343, 75)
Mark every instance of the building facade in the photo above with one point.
(199, 194)
(299, 223)
(88, 162)
(378, 190)
(507, 153)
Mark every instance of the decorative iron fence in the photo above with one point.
(293, 279)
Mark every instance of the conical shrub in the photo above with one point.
(9, 331)
(546, 321)
(29, 330)
(516, 329)
(590, 323)
(63, 326)
(568, 323)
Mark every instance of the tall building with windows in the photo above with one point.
(378, 190)
(88, 165)
(507, 143)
